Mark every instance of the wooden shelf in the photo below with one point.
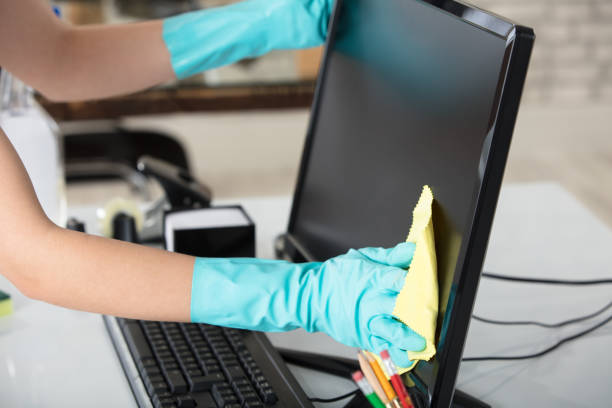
(193, 99)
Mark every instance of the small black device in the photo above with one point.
(214, 232)
(412, 93)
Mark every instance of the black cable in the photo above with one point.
(342, 367)
(334, 399)
(543, 352)
(541, 324)
(546, 281)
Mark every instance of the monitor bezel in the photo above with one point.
(519, 43)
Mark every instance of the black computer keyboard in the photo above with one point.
(204, 366)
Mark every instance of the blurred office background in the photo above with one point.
(563, 133)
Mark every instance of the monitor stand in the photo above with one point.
(463, 400)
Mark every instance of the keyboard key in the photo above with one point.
(155, 379)
(168, 362)
(176, 381)
(162, 348)
(193, 372)
(205, 382)
(268, 396)
(253, 404)
(155, 387)
(226, 356)
(164, 403)
(247, 360)
(234, 373)
(146, 362)
(158, 398)
(223, 395)
(177, 338)
(185, 402)
(170, 366)
(156, 337)
(259, 379)
(150, 371)
(137, 342)
(163, 394)
(165, 355)
(200, 346)
(250, 396)
(243, 382)
(202, 357)
(210, 364)
(244, 390)
(209, 328)
(182, 349)
(213, 370)
(204, 400)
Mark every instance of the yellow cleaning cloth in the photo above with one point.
(417, 303)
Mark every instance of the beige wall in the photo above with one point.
(572, 59)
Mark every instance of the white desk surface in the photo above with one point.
(53, 357)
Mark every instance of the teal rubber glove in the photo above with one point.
(349, 297)
(210, 38)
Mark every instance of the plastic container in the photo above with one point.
(36, 138)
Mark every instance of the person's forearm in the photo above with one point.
(78, 63)
(101, 275)
(103, 61)
(80, 271)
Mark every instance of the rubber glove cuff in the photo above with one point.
(255, 294)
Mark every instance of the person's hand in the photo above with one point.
(352, 296)
(299, 23)
(210, 38)
(349, 297)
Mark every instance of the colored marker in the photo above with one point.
(396, 380)
(382, 378)
(367, 390)
(371, 377)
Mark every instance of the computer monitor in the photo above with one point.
(412, 93)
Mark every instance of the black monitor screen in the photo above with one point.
(408, 97)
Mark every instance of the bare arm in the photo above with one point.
(79, 271)
(72, 63)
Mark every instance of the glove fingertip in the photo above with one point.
(418, 342)
(378, 344)
(401, 255)
(400, 357)
(398, 334)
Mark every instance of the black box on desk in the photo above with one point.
(215, 232)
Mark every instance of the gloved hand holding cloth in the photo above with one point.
(350, 297)
(210, 38)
